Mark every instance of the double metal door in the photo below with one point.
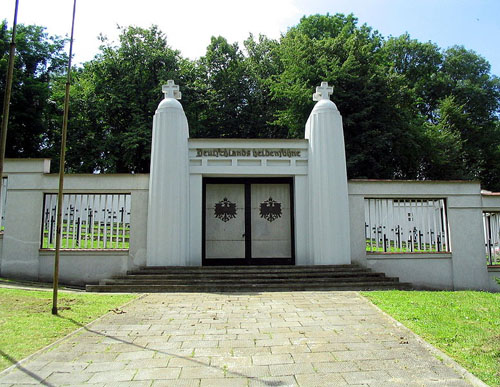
(247, 221)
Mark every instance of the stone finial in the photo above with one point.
(171, 90)
(323, 92)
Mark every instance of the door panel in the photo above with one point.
(271, 221)
(225, 221)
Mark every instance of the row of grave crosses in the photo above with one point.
(50, 219)
(171, 90)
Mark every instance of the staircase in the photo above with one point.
(248, 279)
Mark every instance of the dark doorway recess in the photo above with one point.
(248, 221)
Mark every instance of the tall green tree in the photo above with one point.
(39, 60)
(226, 91)
(116, 95)
(350, 57)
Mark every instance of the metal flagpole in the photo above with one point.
(61, 170)
(6, 99)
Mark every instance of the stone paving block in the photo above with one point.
(200, 344)
(446, 383)
(112, 376)
(101, 356)
(284, 358)
(291, 369)
(220, 382)
(251, 351)
(250, 371)
(201, 352)
(163, 346)
(132, 383)
(281, 381)
(309, 340)
(60, 378)
(189, 361)
(320, 380)
(147, 363)
(60, 366)
(336, 367)
(177, 383)
(355, 355)
(158, 373)
(24, 376)
(373, 365)
(365, 377)
(327, 347)
(313, 357)
(300, 348)
(414, 373)
(105, 366)
(272, 342)
(237, 344)
(201, 372)
(122, 347)
(231, 361)
(145, 354)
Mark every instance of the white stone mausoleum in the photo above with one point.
(248, 202)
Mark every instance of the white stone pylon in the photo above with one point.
(168, 209)
(329, 234)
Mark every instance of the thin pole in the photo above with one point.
(6, 99)
(61, 170)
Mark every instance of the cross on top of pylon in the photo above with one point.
(171, 90)
(323, 92)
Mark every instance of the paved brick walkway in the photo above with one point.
(263, 339)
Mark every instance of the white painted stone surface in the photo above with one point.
(329, 240)
(168, 209)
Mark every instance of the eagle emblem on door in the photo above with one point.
(270, 209)
(225, 210)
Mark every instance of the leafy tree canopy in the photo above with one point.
(410, 109)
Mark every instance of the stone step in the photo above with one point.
(256, 274)
(260, 287)
(247, 269)
(248, 278)
(242, 280)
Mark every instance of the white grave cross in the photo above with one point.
(323, 92)
(171, 90)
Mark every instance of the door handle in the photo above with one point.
(243, 235)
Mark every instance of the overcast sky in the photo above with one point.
(189, 24)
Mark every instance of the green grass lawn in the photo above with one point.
(464, 324)
(26, 322)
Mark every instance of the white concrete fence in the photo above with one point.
(433, 234)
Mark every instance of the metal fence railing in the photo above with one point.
(89, 221)
(406, 225)
(491, 221)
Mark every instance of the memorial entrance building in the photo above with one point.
(248, 202)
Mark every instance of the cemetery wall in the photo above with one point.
(22, 257)
(463, 267)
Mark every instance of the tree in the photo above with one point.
(377, 128)
(116, 95)
(226, 90)
(39, 60)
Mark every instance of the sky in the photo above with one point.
(189, 24)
